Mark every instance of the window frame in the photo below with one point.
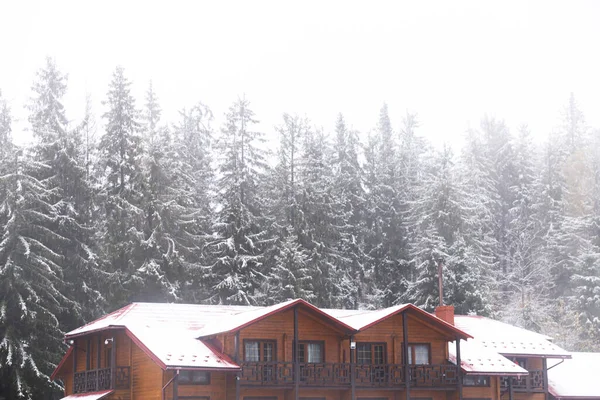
(191, 381)
(305, 342)
(412, 352)
(372, 352)
(261, 343)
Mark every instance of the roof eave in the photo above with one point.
(213, 369)
(104, 328)
(530, 355)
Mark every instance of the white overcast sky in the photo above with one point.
(451, 62)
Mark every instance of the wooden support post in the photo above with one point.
(74, 362)
(296, 362)
(236, 357)
(176, 386)
(459, 371)
(510, 388)
(352, 370)
(405, 354)
(545, 377)
(98, 362)
(113, 364)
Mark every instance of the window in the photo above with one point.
(311, 352)
(188, 377)
(259, 350)
(418, 354)
(520, 361)
(476, 380)
(370, 353)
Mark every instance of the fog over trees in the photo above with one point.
(125, 206)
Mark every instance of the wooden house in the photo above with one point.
(296, 351)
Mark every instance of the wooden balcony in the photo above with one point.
(534, 382)
(339, 375)
(101, 379)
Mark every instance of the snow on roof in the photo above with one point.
(88, 396)
(507, 339)
(179, 348)
(168, 332)
(358, 319)
(477, 359)
(190, 316)
(575, 378)
(363, 319)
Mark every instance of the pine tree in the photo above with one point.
(159, 270)
(59, 166)
(386, 246)
(317, 229)
(31, 277)
(193, 177)
(122, 194)
(527, 283)
(237, 271)
(349, 198)
(286, 258)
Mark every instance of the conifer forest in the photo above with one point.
(125, 206)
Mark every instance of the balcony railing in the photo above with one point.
(339, 374)
(100, 379)
(534, 382)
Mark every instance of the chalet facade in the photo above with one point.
(295, 351)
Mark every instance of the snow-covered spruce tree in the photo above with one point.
(317, 231)
(122, 193)
(435, 222)
(239, 233)
(285, 257)
(59, 164)
(159, 268)
(433, 219)
(290, 276)
(31, 277)
(477, 202)
(191, 168)
(386, 245)
(527, 283)
(349, 197)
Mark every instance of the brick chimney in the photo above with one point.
(446, 313)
